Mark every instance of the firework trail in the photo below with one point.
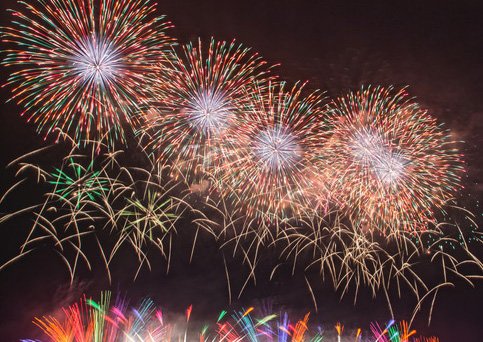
(95, 196)
(352, 259)
(89, 320)
(395, 167)
(101, 197)
(244, 327)
(85, 64)
(83, 184)
(271, 155)
(267, 155)
(198, 95)
(91, 194)
(100, 321)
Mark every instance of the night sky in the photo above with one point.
(434, 47)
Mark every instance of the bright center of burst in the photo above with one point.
(389, 168)
(209, 113)
(371, 151)
(95, 60)
(366, 146)
(277, 149)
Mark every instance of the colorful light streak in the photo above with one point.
(395, 167)
(90, 321)
(85, 64)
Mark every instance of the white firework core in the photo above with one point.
(371, 151)
(389, 168)
(95, 60)
(209, 113)
(277, 149)
(366, 146)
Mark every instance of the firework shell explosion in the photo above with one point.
(85, 64)
(270, 156)
(89, 320)
(197, 97)
(270, 152)
(395, 168)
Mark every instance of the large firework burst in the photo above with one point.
(84, 63)
(394, 165)
(271, 155)
(198, 97)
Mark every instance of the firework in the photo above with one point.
(246, 328)
(91, 194)
(394, 165)
(102, 198)
(271, 155)
(100, 321)
(243, 326)
(198, 96)
(89, 321)
(351, 259)
(265, 154)
(85, 64)
(81, 183)
(146, 217)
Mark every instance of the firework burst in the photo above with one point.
(85, 64)
(271, 155)
(198, 96)
(394, 166)
(147, 217)
(80, 183)
(90, 196)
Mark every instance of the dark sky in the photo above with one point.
(434, 47)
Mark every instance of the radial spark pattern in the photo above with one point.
(394, 165)
(271, 155)
(85, 63)
(198, 98)
(78, 182)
